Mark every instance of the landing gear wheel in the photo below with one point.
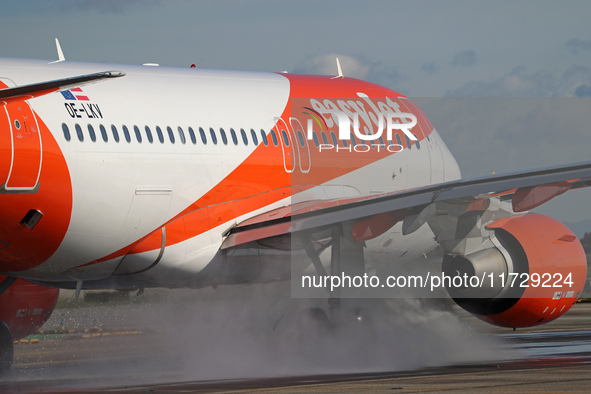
(313, 321)
(356, 317)
(6, 349)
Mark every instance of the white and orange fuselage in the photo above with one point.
(141, 176)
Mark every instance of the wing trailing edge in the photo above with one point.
(529, 189)
(26, 92)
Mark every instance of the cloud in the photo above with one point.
(583, 91)
(521, 83)
(577, 45)
(105, 6)
(430, 68)
(353, 67)
(465, 58)
(327, 65)
(505, 134)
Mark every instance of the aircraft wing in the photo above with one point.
(526, 190)
(25, 92)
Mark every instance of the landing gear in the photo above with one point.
(6, 348)
(314, 322)
(346, 258)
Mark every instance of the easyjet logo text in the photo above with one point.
(376, 117)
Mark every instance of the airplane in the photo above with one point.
(129, 177)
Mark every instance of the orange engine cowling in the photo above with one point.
(24, 306)
(543, 266)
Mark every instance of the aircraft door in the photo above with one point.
(26, 148)
(301, 144)
(287, 146)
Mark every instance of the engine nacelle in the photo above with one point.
(533, 276)
(24, 306)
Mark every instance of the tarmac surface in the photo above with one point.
(116, 348)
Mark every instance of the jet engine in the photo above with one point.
(533, 275)
(24, 307)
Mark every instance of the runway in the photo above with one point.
(120, 357)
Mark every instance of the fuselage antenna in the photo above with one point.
(339, 70)
(60, 53)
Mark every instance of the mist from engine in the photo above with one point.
(257, 331)
(254, 331)
(265, 337)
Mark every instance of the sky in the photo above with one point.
(506, 83)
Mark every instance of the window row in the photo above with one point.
(163, 136)
(171, 136)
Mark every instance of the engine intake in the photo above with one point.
(543, 256)
(488, 263)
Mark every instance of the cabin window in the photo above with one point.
(399, 141)
(285, 139)
(203, 137)
(244, 137)
(91, 133)
(181, 135)
(160, 134)
(334, 139)
(214, 139)
(170, 134)
(274, 137)
(324, 139)
(149, 134)
(407, 141)
(417, 142)
(255, 140)
(115, 133)
(192, 135)
(301, 138)
(224, 138)
(66, 130)
(315, 138)
(104, 133)
(264, 137)
(79, 132)
(234, 139)
(126, 134)
(138, 135)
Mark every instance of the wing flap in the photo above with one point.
(319, 215)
